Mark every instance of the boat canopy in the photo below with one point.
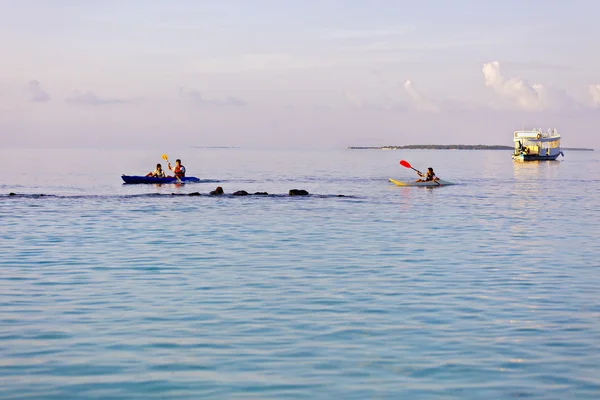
(536, 134)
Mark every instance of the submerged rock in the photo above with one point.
(217, 192)
(195, 194)
(240, 193)
(261, 193)
(298, 192)
(12, 194)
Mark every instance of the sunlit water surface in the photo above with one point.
(485, 289)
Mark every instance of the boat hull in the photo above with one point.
(422, 184)
(136, 179)
(536, 157)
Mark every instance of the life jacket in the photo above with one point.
(179, 171)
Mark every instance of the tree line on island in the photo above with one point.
(446, 147)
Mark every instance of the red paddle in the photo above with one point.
(406, 164)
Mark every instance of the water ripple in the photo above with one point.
(487, 289)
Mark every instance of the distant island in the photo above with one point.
(451, 147)
(215, 147)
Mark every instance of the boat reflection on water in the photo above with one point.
(168, 185)
(405, 197)
(529, 202)
(532, 177)
(535, 172)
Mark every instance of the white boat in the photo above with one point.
(536, 145)
(439, 182)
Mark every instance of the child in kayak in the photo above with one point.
(157, 173)
(179, 170)
(430, 176)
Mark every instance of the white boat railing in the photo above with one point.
(536, 134)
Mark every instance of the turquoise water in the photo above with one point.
(485, 289)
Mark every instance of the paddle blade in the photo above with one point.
(405, 164)
(165, 157)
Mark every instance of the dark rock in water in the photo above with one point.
(261, 194)
(240, 193)
(194, 194)
(298, 192)
(218, 191)
(12, 194)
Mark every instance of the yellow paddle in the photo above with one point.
(166, 158)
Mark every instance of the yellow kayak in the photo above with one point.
(422, 184)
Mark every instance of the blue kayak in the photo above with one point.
(151, 179)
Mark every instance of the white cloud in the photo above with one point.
(353, 98)
(36, 93)
(520, 93)
(595, 93)
(196, 97)
(419, 101)
(91, 99)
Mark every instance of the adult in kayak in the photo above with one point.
(157, 173)
(178, 170)
(429, 176)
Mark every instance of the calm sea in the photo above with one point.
(485, 289)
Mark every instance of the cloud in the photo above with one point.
(91, 99)
(353, 98)
(595, 93)
(195, 96)
(36, 93)
(367, 33)
(522, 94)
(419, 101)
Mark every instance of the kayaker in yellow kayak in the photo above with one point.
(429, 176)
(157, 173)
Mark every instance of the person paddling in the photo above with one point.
(178, 170)
(429, 176)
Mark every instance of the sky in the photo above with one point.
(296, 73)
